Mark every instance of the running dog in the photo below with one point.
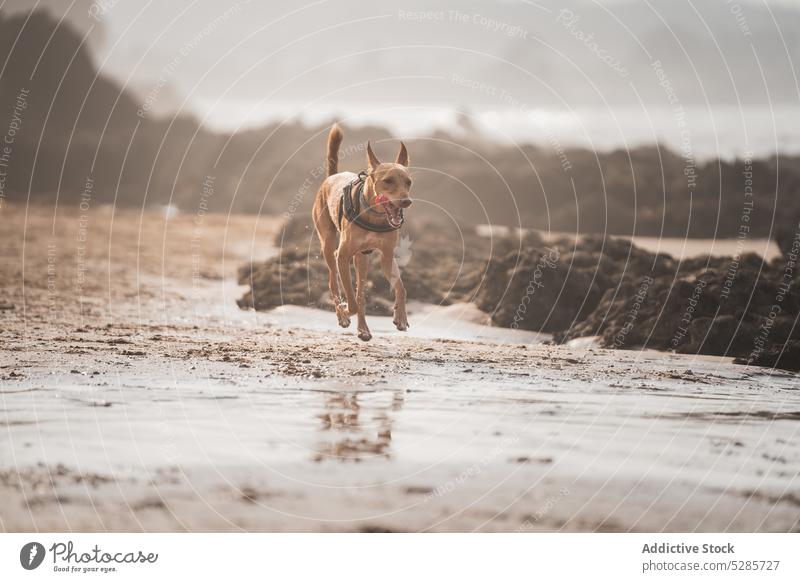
(355, 214)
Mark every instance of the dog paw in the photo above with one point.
(401, 323)
(364, 335)
(342, 316)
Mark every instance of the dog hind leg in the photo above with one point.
(326, 230)
(333, 283)
(362, 267)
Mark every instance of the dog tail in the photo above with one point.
(334, 141)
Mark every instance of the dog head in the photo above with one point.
(392, 183)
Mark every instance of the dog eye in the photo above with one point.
(408, 183)
(388, 180)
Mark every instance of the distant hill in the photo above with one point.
(85, 124)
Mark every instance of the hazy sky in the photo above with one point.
(712, 49)
(248, 61)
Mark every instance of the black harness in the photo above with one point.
(350, 207)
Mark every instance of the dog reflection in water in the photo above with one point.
(357, 426)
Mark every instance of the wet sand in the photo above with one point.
(136, 396)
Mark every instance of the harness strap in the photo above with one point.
(350, 207)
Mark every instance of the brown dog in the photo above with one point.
(383, 196)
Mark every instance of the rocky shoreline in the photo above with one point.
(630, 298)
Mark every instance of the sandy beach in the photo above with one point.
(137, 396)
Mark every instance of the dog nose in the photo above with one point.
(405, 203)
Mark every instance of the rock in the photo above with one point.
(714, 310)
(785, 356)
(537, 291)
(439, 265)
(788, 241)
(592, 286)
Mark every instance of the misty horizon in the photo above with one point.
(585, 73)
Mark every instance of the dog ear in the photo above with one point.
(372, 159)
(402, 155)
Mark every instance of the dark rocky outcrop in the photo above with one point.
(630, 298)
(435, 263)
(785, 356)
(553, 287)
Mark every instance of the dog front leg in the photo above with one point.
(392, 273)
(362, 266)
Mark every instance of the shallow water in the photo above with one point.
(416, 433)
